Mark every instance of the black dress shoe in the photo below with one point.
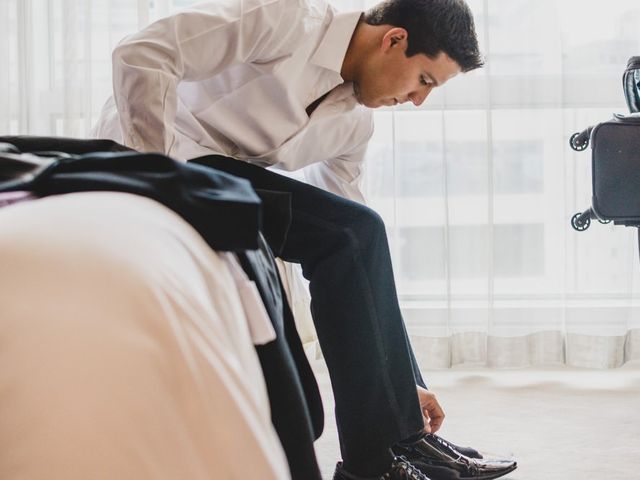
(467, 451)
(400, 469)
(441, 461)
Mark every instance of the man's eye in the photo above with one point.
(424, 80)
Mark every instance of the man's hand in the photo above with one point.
(432, 412)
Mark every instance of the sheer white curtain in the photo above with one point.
(477, 186)
(58, 54)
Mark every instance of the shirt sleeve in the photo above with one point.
(344, 174)
(191, 46)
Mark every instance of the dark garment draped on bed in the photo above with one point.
(229, 215)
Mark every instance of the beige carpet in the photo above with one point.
(559, 423)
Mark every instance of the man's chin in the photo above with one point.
(370, 103)
(377, 103)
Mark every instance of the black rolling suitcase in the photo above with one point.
(615, 161)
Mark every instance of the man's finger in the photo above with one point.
(436, 416)
(427, 423)
(436, 423)
(432, 412)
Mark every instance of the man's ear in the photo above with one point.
(395, 37)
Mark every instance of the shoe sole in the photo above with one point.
(491, 476)
(436, 472)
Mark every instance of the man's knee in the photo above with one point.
(367, 226)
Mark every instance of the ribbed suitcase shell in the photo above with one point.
(615, 161)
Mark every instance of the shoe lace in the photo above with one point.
(401, 466)
(470, 463)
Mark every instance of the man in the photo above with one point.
(290, 84)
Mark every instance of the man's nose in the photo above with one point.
(419, 96)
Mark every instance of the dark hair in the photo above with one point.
(433, 26)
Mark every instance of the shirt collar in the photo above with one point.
(333, 47)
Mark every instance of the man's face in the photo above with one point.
(392, 77)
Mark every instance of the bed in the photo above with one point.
(126, 348)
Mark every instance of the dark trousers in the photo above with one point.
(343, 250)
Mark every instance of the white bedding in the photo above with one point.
(124, 348)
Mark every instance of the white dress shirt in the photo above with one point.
(234, 77)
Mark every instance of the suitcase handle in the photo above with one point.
(629, 118)
(631, 84)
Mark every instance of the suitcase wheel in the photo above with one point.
(580, 222)
(578, 142)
